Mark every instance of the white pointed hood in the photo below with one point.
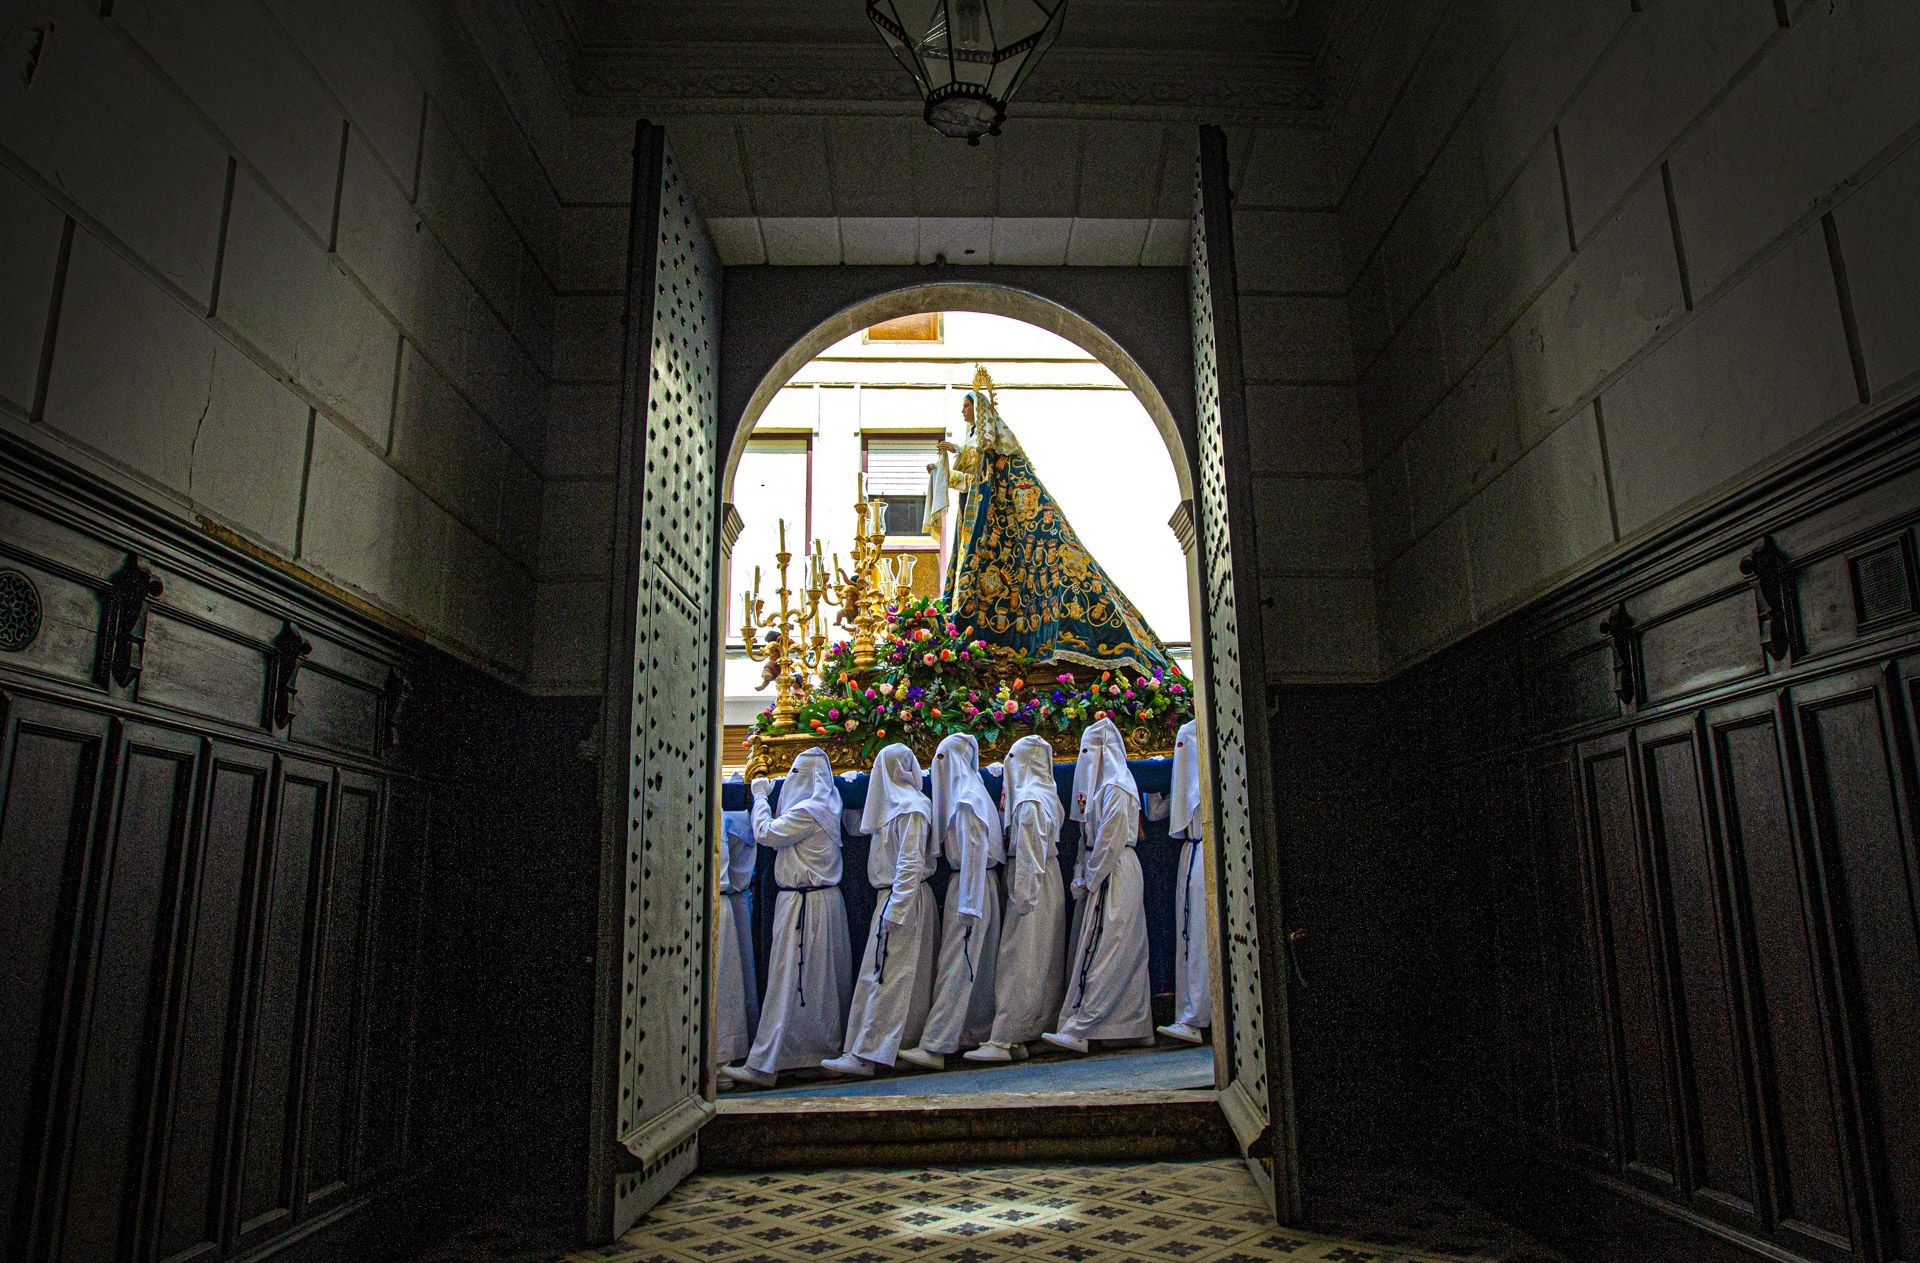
(956, 782)
(1030, 780)
(1184, 817)
(810, 787)
(1103, 763)
(893, 789)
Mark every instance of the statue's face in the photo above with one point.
(966, 412)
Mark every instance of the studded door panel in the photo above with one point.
(670, 473)
(1242, 810)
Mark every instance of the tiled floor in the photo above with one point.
(1185, 1212)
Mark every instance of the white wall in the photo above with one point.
(1607, 261)
(290, 267)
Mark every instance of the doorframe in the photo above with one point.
(1022, 296)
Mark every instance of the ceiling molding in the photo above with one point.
(711, 78)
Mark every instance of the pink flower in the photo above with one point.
(952, 630)
(963, 655)
(1129, 692)
(1175, 688)
(833, 714)
(1099, 714)
(870, 693)
(851, 724)
(927, 658)
(1113, 689)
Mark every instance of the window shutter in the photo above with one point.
(898, 467)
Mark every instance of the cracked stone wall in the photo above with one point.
(293, 268)
(1604, 262)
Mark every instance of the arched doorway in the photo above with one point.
(688, 386)
(801, 454)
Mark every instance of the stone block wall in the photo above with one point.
(292, 269)
(1315, 562)
(1605, 261)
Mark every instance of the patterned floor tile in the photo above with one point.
(1161, 1212)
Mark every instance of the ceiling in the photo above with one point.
(803, 143)
(1232, 59)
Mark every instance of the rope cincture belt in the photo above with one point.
(880, 969)
(966, 940)
(800, 975)
(1186, 890)
(1093, 943)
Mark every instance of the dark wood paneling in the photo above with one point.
(190, 668)
(338, 974)
(135, 904)
(1636, 996)
(1711, 643)
(193, 1144)
(212, 930)
(1863, 838)
(395, 921)
(53, 762)
(282, 948)
(1709, 1027)
(1776, 907)
(1582, 1081)
(1727, 891)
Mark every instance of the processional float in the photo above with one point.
(986, 657)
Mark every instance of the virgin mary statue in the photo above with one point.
(1020, 575)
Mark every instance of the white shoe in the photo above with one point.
(744, 1074)
(852, 1066)
(989, 1052)
(1067, 1042)
(1182, 1032)
(924, 1059)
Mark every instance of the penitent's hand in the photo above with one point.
(761, 787)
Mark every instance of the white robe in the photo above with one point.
(810, 968)
(890, 998)
(1031, 975)
(1108, 995)
(961, 1012)
(736, 1006)
(1192, 989)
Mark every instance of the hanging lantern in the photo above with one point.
(968, 57)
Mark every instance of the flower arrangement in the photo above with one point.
(934, 678)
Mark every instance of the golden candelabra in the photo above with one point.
(795, 645)
(858, 592)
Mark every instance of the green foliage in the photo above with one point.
(933, 678)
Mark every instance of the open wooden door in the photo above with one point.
(1258, 1096)
(649, 1047)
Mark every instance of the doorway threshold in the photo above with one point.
(1113, 1125)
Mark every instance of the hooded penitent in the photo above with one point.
(967, 826)
(1183, 819)
(810, 788)
(1102, 765)
(957, 784)
(1031, 970)
(893, 788)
